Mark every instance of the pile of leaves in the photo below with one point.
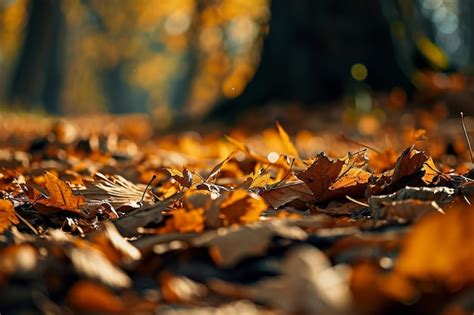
(99, 222)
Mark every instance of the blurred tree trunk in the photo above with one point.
(38, 75)
(308, 54)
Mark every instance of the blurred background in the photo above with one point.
(199, 58)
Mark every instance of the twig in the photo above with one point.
(467, 137)
(28, 224)
(358, 202)
(146, 188)
(346, 139)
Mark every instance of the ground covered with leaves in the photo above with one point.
(97, 215)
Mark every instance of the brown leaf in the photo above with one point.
(229, 246)
(408, 171)
(405, 210)
(285, 194)
(330, 179)
(7, 215)
(61, 197)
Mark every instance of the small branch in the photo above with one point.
(346, 139)
(28, 224)
(146, 188)
(358, 202)
(467, 137)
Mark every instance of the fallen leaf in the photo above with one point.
(188, 221)
(408, 171)
(228, 246)
(286, 193)
(308, 285)
(177, 289)
(61, 197)
(92, 263)
(286, 142)
(88, 296)
(115, 190)
(405, 210)
(439, 248)
(328, 179)
(241, 207)
(7, 215)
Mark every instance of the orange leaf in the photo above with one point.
(61, 196)
(7, 215)
(188, 221)
(242, 207)
(440, 247)
(286, 141)
(89, 296)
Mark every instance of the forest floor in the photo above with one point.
(331, 211)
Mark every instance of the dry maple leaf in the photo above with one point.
(409, 170)
(329, 179)
(61, 197)
(7, 215)
(242, 207)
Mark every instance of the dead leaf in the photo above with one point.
(408, 171)
(185, 221)
(286, 142)
(92, 263)
(439, 248)
(177, 289)
(88, 296)
(228, 246)
(328, 179)
(405, 210)
(116, 190)
(308, 285)
(286, 193)
(241, 207)
(7, 215)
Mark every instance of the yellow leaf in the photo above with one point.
(286, 141)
